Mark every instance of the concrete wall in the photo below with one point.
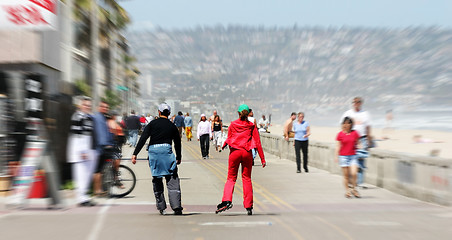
(20, 46)
(425, 178)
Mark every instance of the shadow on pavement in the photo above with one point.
(244, 213)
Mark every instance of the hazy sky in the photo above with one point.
(369, 13)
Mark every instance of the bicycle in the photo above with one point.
(117, 183)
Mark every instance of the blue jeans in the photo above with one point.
(361, 167)
(133, 137)
(347, 161)
(362, 154)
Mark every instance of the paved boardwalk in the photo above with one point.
(287, 206)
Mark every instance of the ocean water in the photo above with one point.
(432, 120)
(439, 119)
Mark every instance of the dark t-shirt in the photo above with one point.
(160, 131)
(133, 122)
(179, 121)
(216, 127)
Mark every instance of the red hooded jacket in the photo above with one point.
(244, 135)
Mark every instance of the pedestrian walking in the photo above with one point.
(122, 122)
(253, 120)
(104, 145)
(142, 122)
(302, 132)
(149, 118)
(179, 122)
(162, 162)
(133, 126)
(210, 119)
(242, 137)
(251, 117)
(214, 113)
(347, 141)
(81, 152)
(188, 122)
(362, 124)
(204, 133)
(217, 129)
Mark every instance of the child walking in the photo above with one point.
(347, 141)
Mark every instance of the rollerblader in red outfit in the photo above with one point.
(242, 137)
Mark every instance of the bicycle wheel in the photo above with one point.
(108, 178)
(125, 182)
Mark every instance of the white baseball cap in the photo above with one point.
(164, 106)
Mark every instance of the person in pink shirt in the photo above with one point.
(347, 141)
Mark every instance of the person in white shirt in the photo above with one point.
(361, 124)
(253, 120)
(251, 117)
(204, 133)
(263, 124)
(81, 152)
(149, 118)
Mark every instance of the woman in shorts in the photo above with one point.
(217, 129)
(347, 141)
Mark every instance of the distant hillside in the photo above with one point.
(310, 69)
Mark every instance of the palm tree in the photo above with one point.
(113, 18)
(131, 75)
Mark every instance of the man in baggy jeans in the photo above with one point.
(162, 162)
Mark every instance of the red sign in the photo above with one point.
(46, 4)
(32, 14)
(23, 15)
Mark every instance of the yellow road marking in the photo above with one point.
(256, 200)
(288, 228)
(270, 197)
(220, 174)
(337, 228)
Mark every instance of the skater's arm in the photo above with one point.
(260, 151)
(177, 144)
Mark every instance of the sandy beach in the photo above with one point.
(398, 140)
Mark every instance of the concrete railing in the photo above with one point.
(425, 178)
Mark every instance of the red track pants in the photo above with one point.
(237, 157)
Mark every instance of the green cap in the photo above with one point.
(244, 107)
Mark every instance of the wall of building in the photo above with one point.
(20, 46)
